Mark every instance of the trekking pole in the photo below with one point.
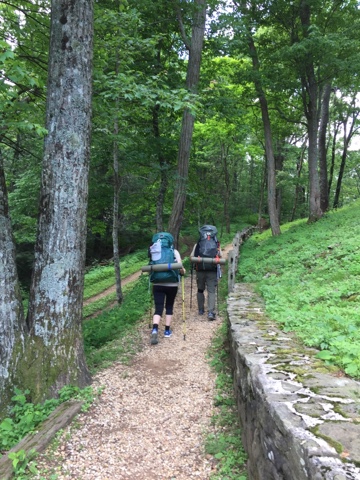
(192, 268)
(219, 275)
(151, 301)
(183, 305)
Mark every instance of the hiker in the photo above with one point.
(207, 274)
(165, 283)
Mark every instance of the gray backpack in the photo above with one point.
(208, 246)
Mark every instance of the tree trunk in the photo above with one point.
(314, 186)
(163, 173)
(279, 166)
(12, 324)
(54, 354)
(115, 230)
(117, 185)
(310, 100)
(227, 190)
(262, 191)
(298, 188)
(324, 120)
(347, 139)
(333, 154)
(270, 160)
(187, 127)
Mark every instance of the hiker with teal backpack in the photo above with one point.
(207, 251)
(165, 283)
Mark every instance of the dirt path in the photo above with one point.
(151, 420)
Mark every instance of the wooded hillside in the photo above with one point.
(122, 118)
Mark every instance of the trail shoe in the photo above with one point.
(167, 333)
(211, 316)
(154, 337)
(201, 312)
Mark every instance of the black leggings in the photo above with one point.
(164, 294)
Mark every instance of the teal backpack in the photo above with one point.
(162, 251)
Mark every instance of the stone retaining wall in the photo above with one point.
(300, 420)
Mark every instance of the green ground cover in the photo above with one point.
(224, 443)
(111, 335)
(99, 278)
(309, 277)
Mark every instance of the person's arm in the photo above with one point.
(219, 250)
(178, 259)
(195, 252)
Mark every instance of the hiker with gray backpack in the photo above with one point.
(166, 268)
(205, 258)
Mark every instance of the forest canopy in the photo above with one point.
(140, 92)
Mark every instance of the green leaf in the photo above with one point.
(352, 369)
(346, 360)
(7, 424)
(5, 55)
(325, 355)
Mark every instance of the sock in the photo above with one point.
(167, 328)
(155, 326)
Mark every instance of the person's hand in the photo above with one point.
(182, 271)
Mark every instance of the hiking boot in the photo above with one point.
(201, 312)
(211, 316)
(154, 337)
(167, 333)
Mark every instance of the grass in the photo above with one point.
(309, 277)
(99, 278)
(225, 444)
(112, 335)
(27, 416)
(105, 302)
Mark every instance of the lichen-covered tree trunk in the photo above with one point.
(192, 79)
(12, 326)
(54, 353)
